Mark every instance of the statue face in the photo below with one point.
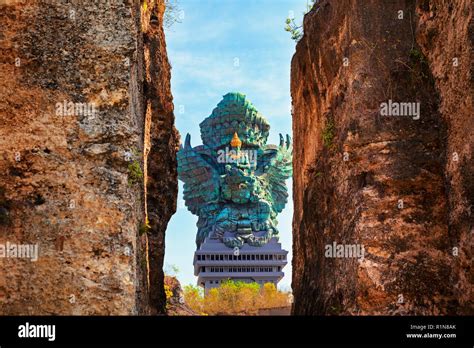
(239, 186)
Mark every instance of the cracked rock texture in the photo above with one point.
(72, 182)
(161, 145)
(400, 186)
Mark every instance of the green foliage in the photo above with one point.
(235, 298)
(328, 134)
(418, 66)
(194, 289)
(171, 270)
(417, 56)
(194, 298)
(294, 29)
(144, 228)
(135, 173)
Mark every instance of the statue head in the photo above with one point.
(234, 115)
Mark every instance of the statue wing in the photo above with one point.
(279, 167)
(200, 177)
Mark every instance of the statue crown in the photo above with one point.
(236, 142)
(234, 115)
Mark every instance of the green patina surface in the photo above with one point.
(235, 182)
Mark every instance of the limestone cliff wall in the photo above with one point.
(161, 145)
(399, 186)
(445, 33)
(72, 182)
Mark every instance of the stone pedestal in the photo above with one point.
(215, 263)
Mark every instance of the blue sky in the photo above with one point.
(224, 46)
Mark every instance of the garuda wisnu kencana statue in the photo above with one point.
(235, 182)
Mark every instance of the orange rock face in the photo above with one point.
(72, 140)
(387, 182)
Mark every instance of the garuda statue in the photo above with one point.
(235, 182)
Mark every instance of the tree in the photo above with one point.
(235, 298)
(171, 270)
(193, 297)
(173, 14)
(294, 29)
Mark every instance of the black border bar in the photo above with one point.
(222, 330)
